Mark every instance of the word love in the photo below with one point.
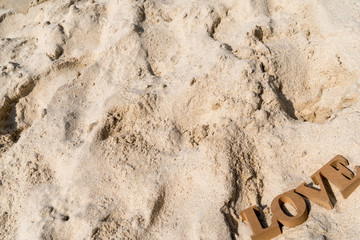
(334, 171)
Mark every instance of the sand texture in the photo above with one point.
(125, 119)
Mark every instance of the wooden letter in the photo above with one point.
(260, 233)
(342, 177)
(321, 196)
(297, 202)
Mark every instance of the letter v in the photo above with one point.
(321, 196)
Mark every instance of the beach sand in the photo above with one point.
(164, 119)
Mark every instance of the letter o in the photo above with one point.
(297, 202)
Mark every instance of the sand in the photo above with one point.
(150, 119)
